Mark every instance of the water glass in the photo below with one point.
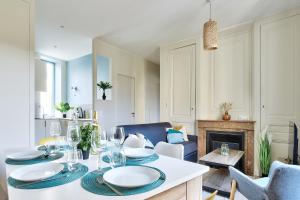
(73, 157)
(224, 149)
(117, 157)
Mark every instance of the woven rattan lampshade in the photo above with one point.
(210, 35)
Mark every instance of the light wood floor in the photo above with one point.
(238, 196)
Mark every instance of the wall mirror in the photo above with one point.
(104, 74)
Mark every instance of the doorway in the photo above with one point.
(125, 100)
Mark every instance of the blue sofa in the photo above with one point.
(156, 132)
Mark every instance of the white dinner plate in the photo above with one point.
(25, 155)
(138, 152)
(131, 176)
(37, 172)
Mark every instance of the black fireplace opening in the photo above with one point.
(235, 140)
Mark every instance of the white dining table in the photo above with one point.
(183, 181)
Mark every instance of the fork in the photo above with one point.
(100, 180)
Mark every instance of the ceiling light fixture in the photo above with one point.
(210, 33)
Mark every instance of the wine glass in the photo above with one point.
(55, 132)
(73, 138)
(117, 136)
(98, 140)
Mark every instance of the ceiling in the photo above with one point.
(139, 26)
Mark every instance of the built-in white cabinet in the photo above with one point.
(178, 94)
(280, 78)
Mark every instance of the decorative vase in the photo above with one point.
(85, 154)
(103, 95)
(226, 116)
(64, 115)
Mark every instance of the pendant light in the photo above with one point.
(210, 33)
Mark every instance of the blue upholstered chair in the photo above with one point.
(283, 183)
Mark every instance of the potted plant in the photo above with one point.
(63, 108)
(265, 152)
(85, 142)
(104, 86)
(226, 107)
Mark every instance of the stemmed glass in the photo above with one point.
(117, 136)
(55, 132)
(73, 139)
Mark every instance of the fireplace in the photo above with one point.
(238, 135)
(235, 140)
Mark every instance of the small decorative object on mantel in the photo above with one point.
(63, 108)
(226, 107)
(265, 152)
(104, 86)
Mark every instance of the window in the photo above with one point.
(44, 88)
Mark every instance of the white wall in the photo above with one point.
(17, 77)
(260, 90)
(124, 63)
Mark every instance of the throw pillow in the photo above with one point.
(183, 130)
(174, 136)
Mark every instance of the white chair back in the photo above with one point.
(171, 150)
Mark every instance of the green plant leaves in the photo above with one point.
(85, 134)
(265, 154)
(104, 85)
(63, 107)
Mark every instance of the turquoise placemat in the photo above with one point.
(40, 159)
(63, 177)
(136, 161)
(89, 182)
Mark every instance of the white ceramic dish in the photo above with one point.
(25, 155)
(131, 176)
(37, 172)
(138, 152)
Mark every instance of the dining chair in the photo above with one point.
(283, 183)
(212, 196)
(50, 140)
(171, 150)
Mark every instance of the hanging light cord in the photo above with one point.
(209, 9)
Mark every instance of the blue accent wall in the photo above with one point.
(80, 75)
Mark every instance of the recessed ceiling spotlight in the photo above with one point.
(55, 46)
(61, 26)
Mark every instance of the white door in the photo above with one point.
(182, 86)
(280, 85)
(125, 100)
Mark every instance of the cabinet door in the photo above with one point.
(182, 86)
(280, 86)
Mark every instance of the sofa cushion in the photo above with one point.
(189, 147)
